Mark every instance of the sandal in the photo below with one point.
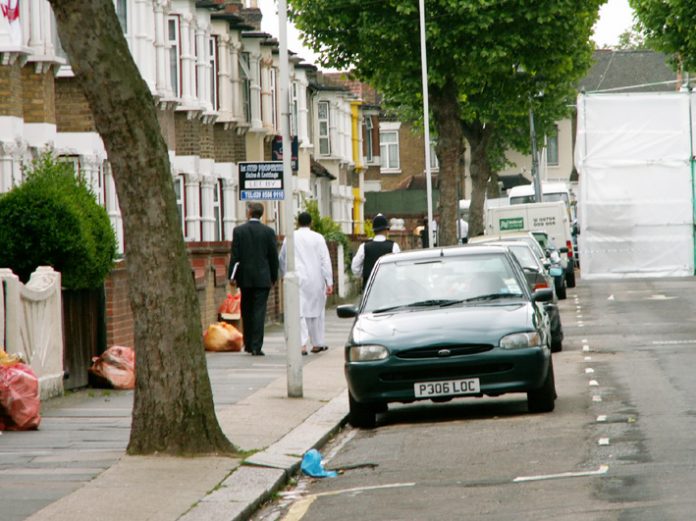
(319, 349)
(304, 352)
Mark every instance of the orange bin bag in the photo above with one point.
(19, 398)
(222, 336)
(117, 366)
(232, 305)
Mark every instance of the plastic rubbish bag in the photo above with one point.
(19, 397)
(116, 365)
(312, 466)
(222, 336)
(231, 306)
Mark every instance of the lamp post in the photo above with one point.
(426, 125)
(291, 283)
(538, 195)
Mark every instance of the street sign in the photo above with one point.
(261, 181)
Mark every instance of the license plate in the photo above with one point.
(447, 388)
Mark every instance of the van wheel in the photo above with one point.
(361, 415)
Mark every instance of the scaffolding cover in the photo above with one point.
(636, 198)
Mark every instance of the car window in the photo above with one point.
(443, 279)
(542, 239)
(524, 255)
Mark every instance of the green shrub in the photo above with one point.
(327, 227)
(53, 219)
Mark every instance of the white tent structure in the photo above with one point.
(636, 204)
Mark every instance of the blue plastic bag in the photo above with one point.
(311, 465)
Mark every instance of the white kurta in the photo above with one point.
(313, 267)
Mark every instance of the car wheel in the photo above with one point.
(560, 284)
(556, 345)
(544, 398)
(361, 415)
(570, 278)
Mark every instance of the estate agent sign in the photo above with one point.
(261, 181)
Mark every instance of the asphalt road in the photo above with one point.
(620, 446)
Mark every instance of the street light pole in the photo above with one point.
(426, 126)
(538, 196)
(291, 284)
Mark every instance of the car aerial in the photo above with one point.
(450, 322)
(538, 278)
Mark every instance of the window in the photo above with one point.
(324, 121)
(293, 110)
(122, 14)
(73, 163)
(245, 76)
(434, 163)
(389, 149)
(212, 53)
(552, 148)
(174, 54)
(180, 204)
(217, 210)
(368, 140)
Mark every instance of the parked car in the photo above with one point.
(552, 263)
(443, 323)
(565, 259)
(538, 278)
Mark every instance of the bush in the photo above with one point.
(327, 227)
(53, 219)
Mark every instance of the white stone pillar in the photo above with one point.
(162, 83)
(236, 82)
(7, 167)
(187, 60)
(224, 78)
(266, 101)
(229, 205)
(112, 207)
(302, 113)
(256, 122)
(202, 67)
(193, 207)
(35, 36)
(207, 218)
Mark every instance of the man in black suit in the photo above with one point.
(254, 268)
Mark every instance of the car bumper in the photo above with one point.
(499, 372)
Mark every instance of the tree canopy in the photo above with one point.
(487, 61)
(668, 26)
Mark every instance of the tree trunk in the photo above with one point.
(450, 151)
(173, 407)
(480, 170)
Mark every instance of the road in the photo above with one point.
(620, 446)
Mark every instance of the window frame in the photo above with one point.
(121, 7)
(218, 211)
(384, 149)
(324, 138)
(369, 152)
(214, 69)
(174, 44)
(180, 183)
(245, 80)
(552, 138)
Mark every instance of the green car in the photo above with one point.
(450, 322)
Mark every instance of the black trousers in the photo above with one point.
(254, 317)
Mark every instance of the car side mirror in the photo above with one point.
(347, 311)
(542, 295)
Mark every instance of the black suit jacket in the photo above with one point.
(255, 247)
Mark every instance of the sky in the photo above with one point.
(615, 17)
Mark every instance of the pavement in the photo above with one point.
(75, 468)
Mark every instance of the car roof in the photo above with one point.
(439, 252)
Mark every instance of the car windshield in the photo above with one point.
(524, 255)
(443, 281)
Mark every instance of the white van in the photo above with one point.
(523, 194)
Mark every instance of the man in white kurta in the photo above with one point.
(313, 267)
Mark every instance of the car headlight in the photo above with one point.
(520, 340)
(367, 353)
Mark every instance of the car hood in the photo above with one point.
(443, 326)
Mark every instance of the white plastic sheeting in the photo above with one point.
(636, 198)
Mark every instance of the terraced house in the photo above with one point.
(214, 77)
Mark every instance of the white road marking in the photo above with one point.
(602, 418)
(611, 297)
(579, 316)
(659, 297)
(596, 398)
(589, 370)
(603, 469)
(584, 340)
(672, 342)
(586, 349)
(594, 383)
(588, 359)
(603, 441)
